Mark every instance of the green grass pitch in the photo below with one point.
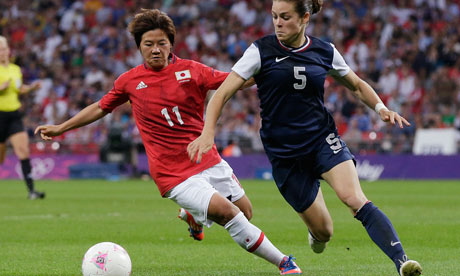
(50, 237)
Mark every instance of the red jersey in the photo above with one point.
(168, 107)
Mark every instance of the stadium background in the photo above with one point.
(407, 50)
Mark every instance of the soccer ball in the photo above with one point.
(106, 259)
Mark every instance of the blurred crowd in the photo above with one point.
(408, 50)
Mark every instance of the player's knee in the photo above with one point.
(22, 152)
(247, 213)
(224, 213)
(229, 213)
(244, 204)
(353, 201)
(324, 233)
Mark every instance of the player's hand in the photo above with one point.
(47, 132)
(200, 146)
(5, 85)
(393, 117)
(36, 85)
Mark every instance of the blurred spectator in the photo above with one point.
(46, 85)
(55, 110)
(409, 49)
(406, 82)
(363, 121)
(73, 17)
(387, 83)
(94, 75)
(353, 136)
(457, 120)
(232, 149)
(119, 147)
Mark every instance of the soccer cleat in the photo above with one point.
(36, 195)
(410, 268)
(316, 246)
(289, 267)
(188, 218)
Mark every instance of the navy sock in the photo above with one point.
(382, 232)
(27, 172)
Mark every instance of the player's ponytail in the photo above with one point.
(316, 6)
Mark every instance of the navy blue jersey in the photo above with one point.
(290, 86)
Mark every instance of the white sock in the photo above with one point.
(253, 239)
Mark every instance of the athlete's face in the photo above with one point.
(4, 52)
(155, 49)
(289, 26)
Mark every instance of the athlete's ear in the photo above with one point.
(306, 18)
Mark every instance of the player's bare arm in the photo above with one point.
(367, 95)
(205, 141)
(26, 88)
(250, 82)
(88, 115)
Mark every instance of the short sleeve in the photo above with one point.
(249, 64)
(18, 79)
(339, 66)
(211, 78)
(116, 96)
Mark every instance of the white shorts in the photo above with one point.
(194, 194)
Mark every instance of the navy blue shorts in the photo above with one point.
(10, 123)
(298, 178)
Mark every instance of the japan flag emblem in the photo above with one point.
(183, 75)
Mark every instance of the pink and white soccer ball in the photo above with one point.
(106, 259)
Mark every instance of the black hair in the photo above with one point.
(148, 20)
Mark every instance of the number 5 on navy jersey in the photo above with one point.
(334, 143)
(300, 77)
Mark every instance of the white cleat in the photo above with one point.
(410, 268)
(316, 246)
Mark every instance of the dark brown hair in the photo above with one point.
(148, 20)
(304, 6)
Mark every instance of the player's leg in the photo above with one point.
(245, 206)
(319, 223)
(2, 152)
(343, 178)
(221, 177)
(196, 229)
(298, 183)
(205, 203)
(4, 133)
(20, 143)
(247, 235)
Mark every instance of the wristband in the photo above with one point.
(379, 106)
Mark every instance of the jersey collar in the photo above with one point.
(296, 50)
